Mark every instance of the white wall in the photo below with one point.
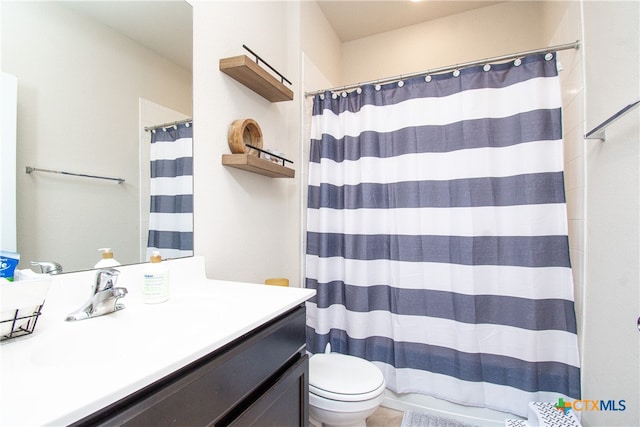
(8, 112)
(611, 356)
(80, 118)
(246, 225)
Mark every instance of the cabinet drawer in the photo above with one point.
(204, 392)
(285, 403)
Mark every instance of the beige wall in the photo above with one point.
(562, 24)
(79, 85)
(481, 33)
(322, 49)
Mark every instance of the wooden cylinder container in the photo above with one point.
(243, 132)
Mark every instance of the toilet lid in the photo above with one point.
(342, 377)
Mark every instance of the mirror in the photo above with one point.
(91, 75)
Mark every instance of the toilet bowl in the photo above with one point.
(343, 390)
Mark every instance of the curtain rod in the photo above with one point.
(574, 45)
(166, 125)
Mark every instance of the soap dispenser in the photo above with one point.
(155, 288)
(107, 259)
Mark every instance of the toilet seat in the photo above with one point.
(344, 378)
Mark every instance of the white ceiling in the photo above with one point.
(354, 19)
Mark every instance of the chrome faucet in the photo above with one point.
(104, 298)
(49, 267)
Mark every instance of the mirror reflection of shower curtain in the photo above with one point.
(171, 208)
(437, 235)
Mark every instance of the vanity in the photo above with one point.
(217, 353)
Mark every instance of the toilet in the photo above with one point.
(343, 390)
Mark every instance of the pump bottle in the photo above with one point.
(107, 259)
(155, 288)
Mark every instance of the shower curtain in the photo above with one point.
(437, 235)
(171, 209)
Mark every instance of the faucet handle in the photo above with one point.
(106, 278)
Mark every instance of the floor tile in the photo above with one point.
(385, 417)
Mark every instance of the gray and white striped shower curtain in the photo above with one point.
(171, 210)
(437, 235)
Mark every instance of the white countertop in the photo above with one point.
(65, 371)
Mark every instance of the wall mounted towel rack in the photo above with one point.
(29, 169)
(599, 131)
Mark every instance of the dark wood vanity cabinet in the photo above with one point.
(260, 379)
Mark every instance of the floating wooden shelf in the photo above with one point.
(246, 71)
(257, 165)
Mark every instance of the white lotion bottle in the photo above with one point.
(107, 259)
(155, 288)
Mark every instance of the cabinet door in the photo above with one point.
(285, 403)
